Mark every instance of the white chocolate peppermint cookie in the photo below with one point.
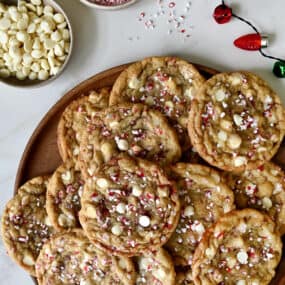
(236, 122)
(241, 248)
(63, 197)
(155, 268)
(25, 224)
(204, 199)
(70, 259)
(263, 189)
(132, 128)
(74, 119)
(129, 207)
(167, 84)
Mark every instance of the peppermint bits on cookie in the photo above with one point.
(129, 207)
(204, 199)
(236, 121)
(69, 258)
(243, 247)
(25, 224)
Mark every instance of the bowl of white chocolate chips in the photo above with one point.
(35, 42)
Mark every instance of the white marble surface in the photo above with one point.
(103, 40)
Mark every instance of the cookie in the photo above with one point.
(129, 207)
(236, 121)
(63, 197)
(241, 248)
(155, 268)
(132, 128)
(263, 189)
(69, 258)
(167, 84)
(204, 199)
(74, 119)
(25, 224)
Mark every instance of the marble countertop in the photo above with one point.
(106, 39)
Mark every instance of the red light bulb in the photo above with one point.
(222, 14)
(251, 42)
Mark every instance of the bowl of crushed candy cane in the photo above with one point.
(108, 4)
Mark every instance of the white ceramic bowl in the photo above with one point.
(27, 83)
(104, 7)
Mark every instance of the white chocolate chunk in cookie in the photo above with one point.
(117, 229)
(66, 176)
(222, 135)
(267, 203)
(234, 141)
(102, 183)
(134, 83)
(28, 259)
(121, 208)
(136, 190)
(239, 161)
(189, 211)
(242, 257)
(144, 221)
(237, 119)
(220, 95)
(122, 144)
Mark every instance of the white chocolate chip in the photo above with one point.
(235, 80)
(3, 37)
(237, 119)
(210, 253)
(199, 228)
(222, 135)
(234, 141)
(58, 18)
(28, 260)
(66, 176)
(122, 144)
(43, 75)
(121, 208)
(136, 190)
(36, 2)
(134, 83)
(189, 211)
(278, 188)
(117, 229)
(91, 212)
(266, 203)
(36, 54)
(107, 149)
(47, 221)
(144, 221)
(188, 93)
(102, 183)
(239, 161)
(220, 95)
(226, 125)
(5, 24)
(242, 257)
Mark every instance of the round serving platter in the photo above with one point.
(41, 154)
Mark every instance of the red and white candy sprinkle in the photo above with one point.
(174, 13)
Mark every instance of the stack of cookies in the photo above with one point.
(131, 205)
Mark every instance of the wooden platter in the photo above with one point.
(41, 154)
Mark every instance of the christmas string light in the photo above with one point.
(254, 42)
